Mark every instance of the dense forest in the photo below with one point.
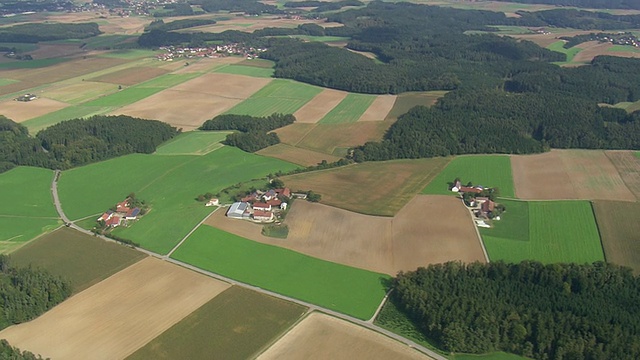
(79, 142)
(254, 131)
(592, 4)
(557, 311)
(8, 352)
(322, 6)
(251, 7)
(36, 32)
(178, 24)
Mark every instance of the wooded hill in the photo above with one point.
(36, 32)
(254, 131)
(589, 4)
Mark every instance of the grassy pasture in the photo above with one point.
(570, 53)
(246, 70)
(282, 96)
(236, 324)
(623, 48)
(4, 82)
(491, 170)
(620, 231)
(36, 124)
(338, 287)
(320, 38)
(107, 41)
(559, 231)
(193, 143)
(79, 92)
(516, 221)
(82, 259)
(124, 97)
(259, 63)
(168, 80)
(349, 109)
(404, 102)
(380, 187)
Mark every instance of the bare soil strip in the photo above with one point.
(321, 336)
(319, 106)
(115, 317)
(380, 108)
(19, 111)
(416, 236)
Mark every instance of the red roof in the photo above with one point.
(488, 206)
(105, 216)
(284, 192)
(466, 189)
(115, 220)
(260, 213)
(123, 206)
(274, 202)
(261, 206)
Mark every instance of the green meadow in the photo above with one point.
(349, 290)
(36, 124)
(124, 97)
(4, 82)
(570, 53)
(193, 143)
(486, 170)
(349, 109)
(168, 80)
(281, 96)
(558, 231)
(169, 184)
(246, 70)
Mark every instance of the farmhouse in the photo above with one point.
(114, 221)
(123, 207)
(132, 214)
(238, 210)
(106, 216)
(262, 206)
(26, 97)
(262, 215)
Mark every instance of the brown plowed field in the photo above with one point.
(19, 111)
(319, 106)
(568, 174)
(321, 336)
(115, 317)
(620, 231)
(417, 236)
(296, 155)
(380, 108)
(131, 76)
(628, 166)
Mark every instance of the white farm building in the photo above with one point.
(238, 210)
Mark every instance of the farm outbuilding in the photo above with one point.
(238, 210)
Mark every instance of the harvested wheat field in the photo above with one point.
(321, 336)
(224, 85)
(380, 108)
(115, 317)
(568, 174)
(416, 236)
(19, 111)
(296, 155)
(337, 138)
(131, 76)
(628, 166)
(319, 106)
(206, 64)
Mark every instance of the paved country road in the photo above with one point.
(367, 324)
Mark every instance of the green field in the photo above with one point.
(559, 231)
(4, 82)
(20, 47)
(487, 170)
(570, 53)
(338, 287)
(193, 143)
(623, 48)
(168, 80)
(260, 63)
(279, 96)
(619, 227)
(36, 124)
(124, 97)
(246, 70)
(349, 109)
(168, 183)
(82, 259)
(236, 324)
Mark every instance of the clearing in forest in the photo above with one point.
(337, 287)
(82, 259)
(20, 111)
(568, 174)
(628, 165)
(416, 236)
(545, 231)
(193, 143)
(379, 109)
(349, 110)
(117, 316)
(487, 170)
(236, 324)
(374, 188)
(319, 106)
(296, 155)
(620, 230)
(279, 96)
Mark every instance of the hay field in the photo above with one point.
(335, 139)
(116, 317)
(281, 96)
(296, 155)
(20, 111)
(193, 143)
(374, 188)
(130, 76)
(252, 71)
(487, 170)
(319, 106)
(568, 174)
(82, 259)
(78, 92)
(628, 165)
(349, 110)
(379, 109)
(337, 287)
(236, 324)
(620, 230)
(321, 336)
(558, 231)
(416, 236)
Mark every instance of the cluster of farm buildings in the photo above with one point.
(26, 97)
(482, 206)
(217, 51)
(123, 213)
(260, 206)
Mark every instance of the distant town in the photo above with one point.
(217, 51)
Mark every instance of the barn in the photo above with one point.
(238, 210)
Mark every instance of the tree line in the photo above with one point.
(8, 352)
(178, 24)
(36, 32)
(590, 4)
(557, 311)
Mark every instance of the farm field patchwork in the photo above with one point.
(570, 53)
(487, 170)
(36, 124)
(338, 287)
(415, 237)
(236, 324)
(282, 96)
(80, 258)
(124, 97)
(375, 188)
(193, 143)
(20, 111)
(568, 174)
(296, 155)
(559, 231)
(620, 231)
(246, 70)
(131, 308)
(628, 165)
(349, 110)
(324, 337)
(79, 92)
(379, 109)
(319, 106)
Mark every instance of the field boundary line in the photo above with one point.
(595, 220)
(273, 341)
(384, 300)
(606, 153)
(475, 227)
(191, 232)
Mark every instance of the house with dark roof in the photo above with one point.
(132, 214)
